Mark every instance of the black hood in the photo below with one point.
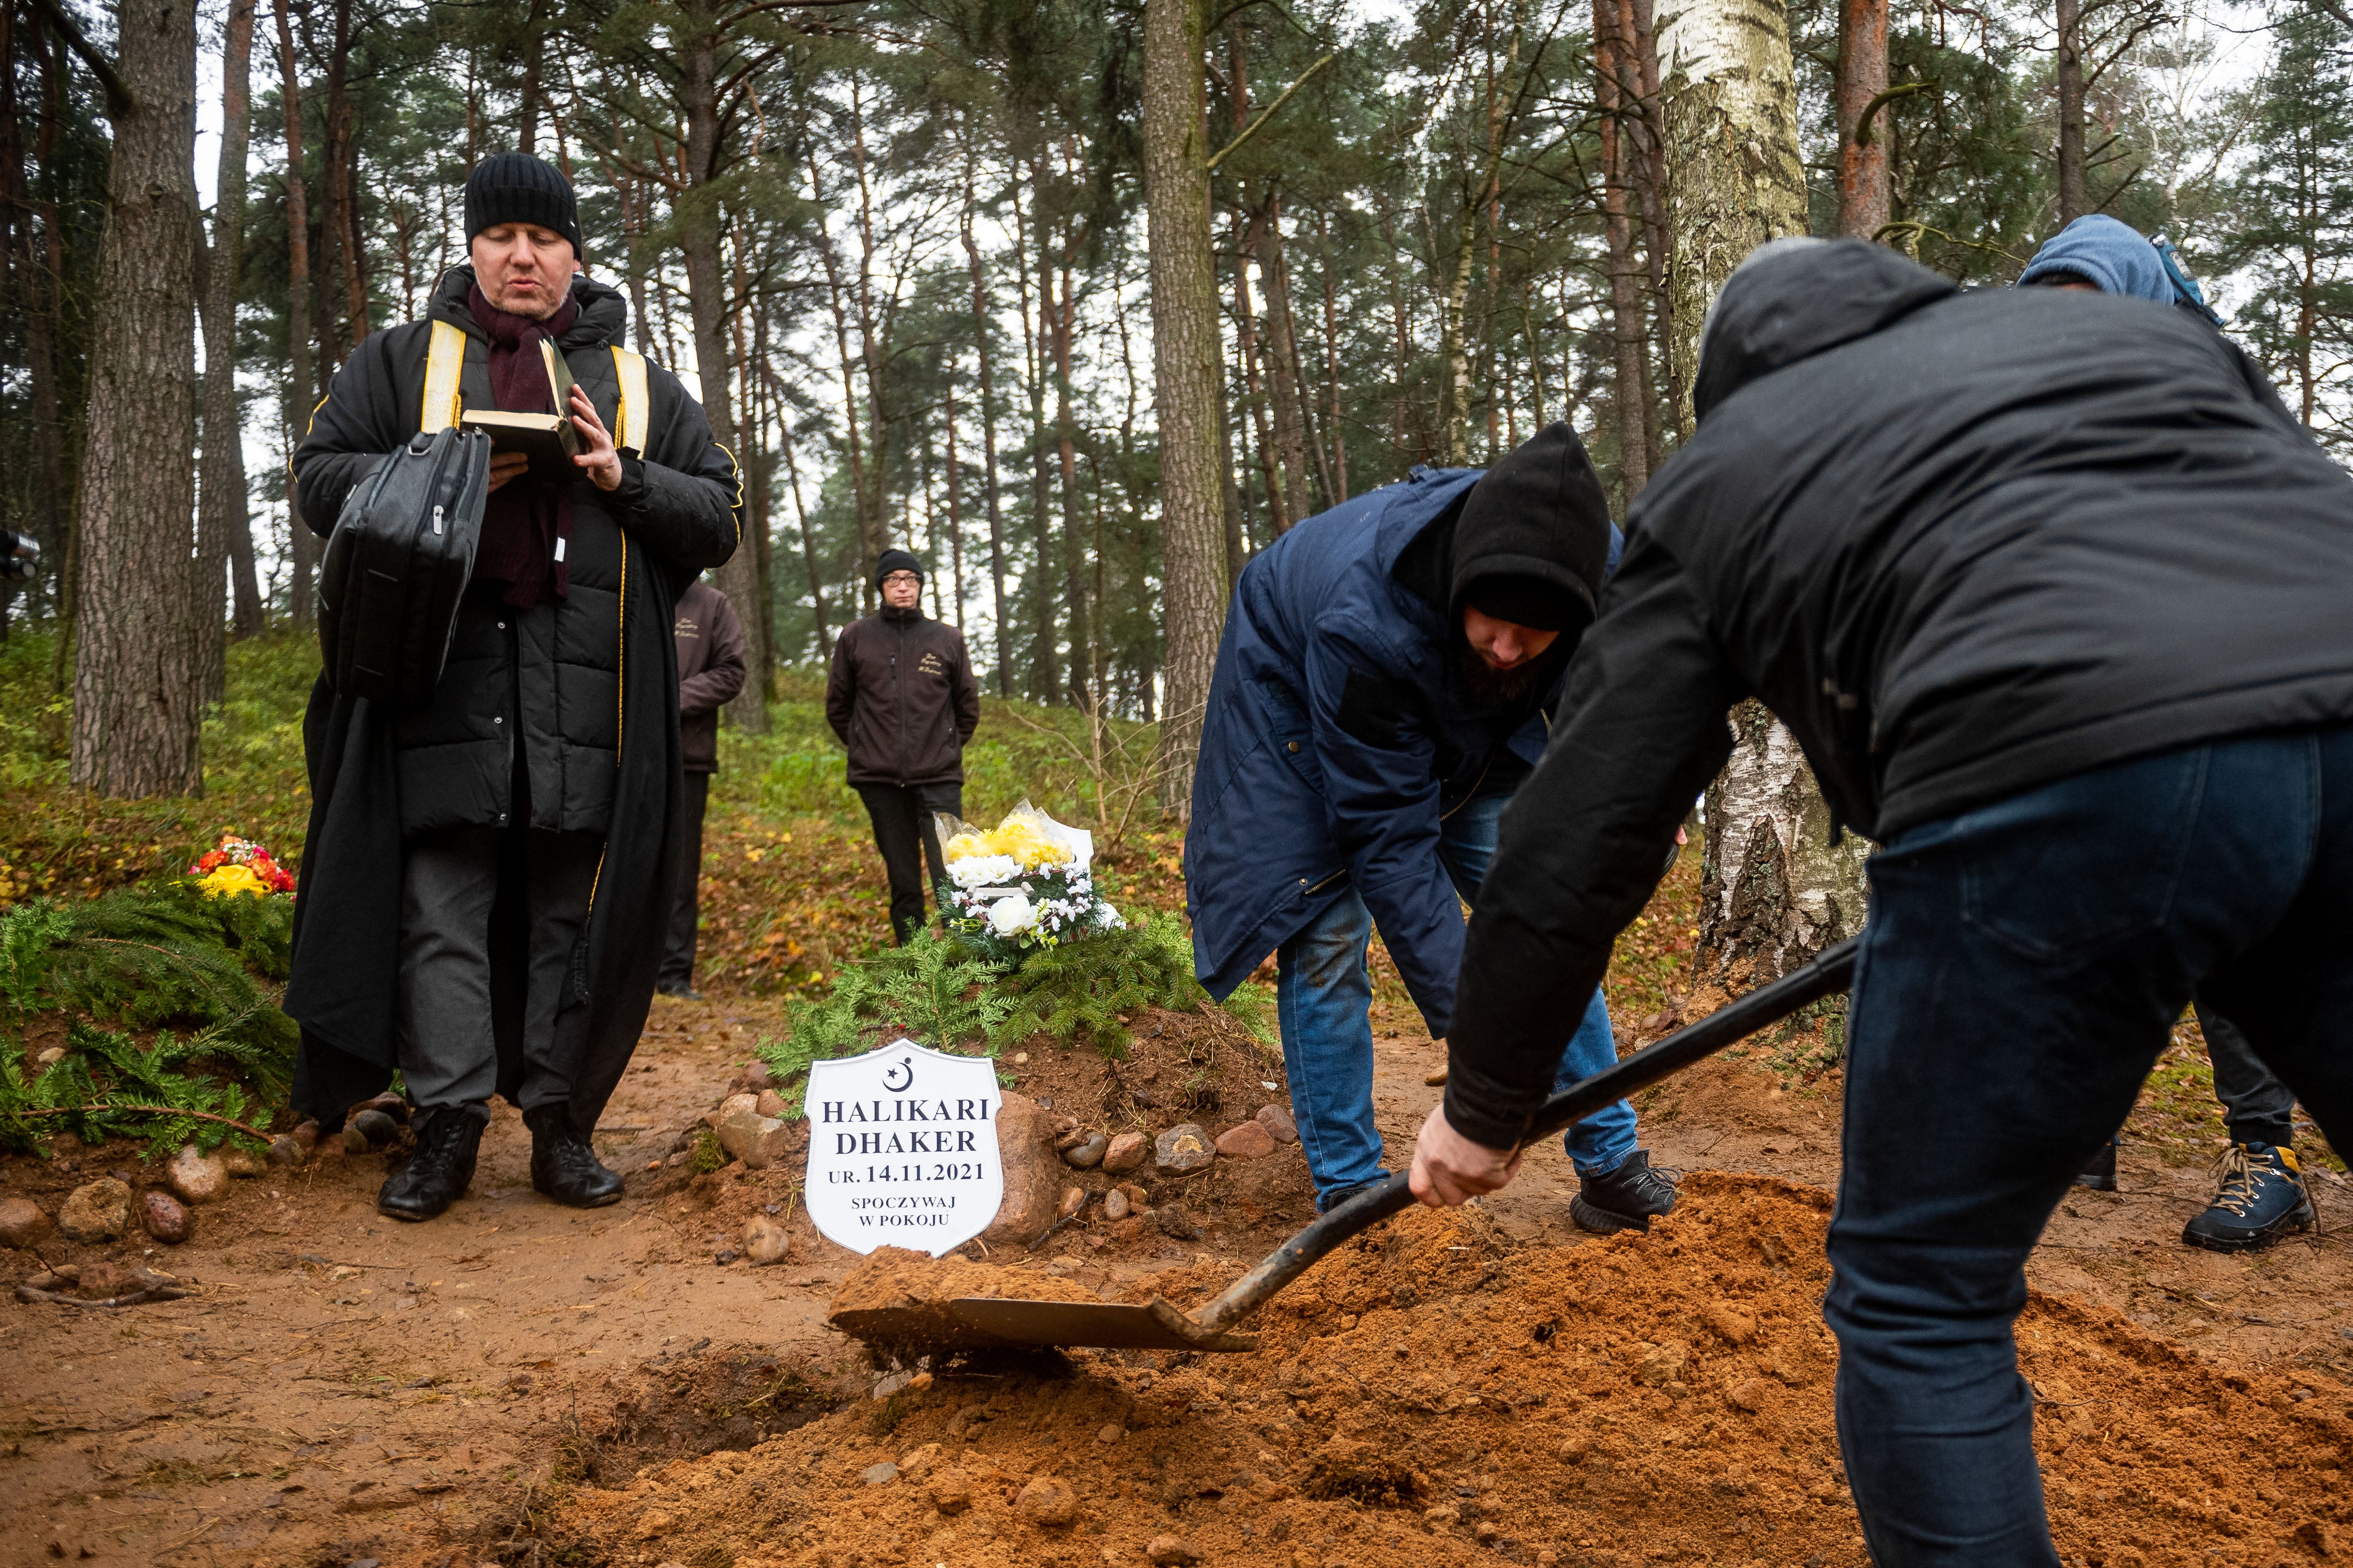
(1793, 299)
(1532, 544)
(604, 310)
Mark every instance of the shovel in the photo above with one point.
(980, 1323)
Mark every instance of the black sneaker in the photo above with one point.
(1625, 1198)
(438, 1173)
(1339, 1196)
(2100, 1175)
(563, 1166)
(2262, 1198)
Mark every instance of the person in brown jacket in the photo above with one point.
(710, 673)
(903, 699)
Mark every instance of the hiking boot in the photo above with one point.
(1625, 1198)
(563, 1165)
(437, 1174)
(2100, 1175)
(1339, 1196)
(2262, 1198)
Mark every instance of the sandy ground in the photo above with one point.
(342, 1388)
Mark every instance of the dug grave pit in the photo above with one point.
(1434, 1393)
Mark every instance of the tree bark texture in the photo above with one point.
(1735, 178)
(1773, 889)
(223, 526)
(1863, 193)
(1631, 391)
(701, 232)
(1283, 364)
(1186, 349)
(301, 381)
(1001, 625)
(2070, 73)
(137, 696)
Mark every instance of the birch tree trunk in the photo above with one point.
(1773, 889)
(137, 684)
(223, 530)
(1186, 349)
(700, 231)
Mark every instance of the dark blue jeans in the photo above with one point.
(2021, 969)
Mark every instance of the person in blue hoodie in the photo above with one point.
(1384, 683)
(2262, 1198)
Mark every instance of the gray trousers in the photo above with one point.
(449, 889)
(2258, 1106)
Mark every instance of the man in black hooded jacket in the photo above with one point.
(2052, 591)
(485, 878)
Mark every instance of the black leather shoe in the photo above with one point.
(437, 1174)
(1623, 1199)
(2100, 1175)
(563, 1165)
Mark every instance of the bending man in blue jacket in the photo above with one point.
(1382, 688)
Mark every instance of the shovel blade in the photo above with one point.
(1106, 1325)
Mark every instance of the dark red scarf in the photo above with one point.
(525, 521)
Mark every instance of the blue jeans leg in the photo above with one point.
(2021, 972)
(1599, 1144)
(1323, 997)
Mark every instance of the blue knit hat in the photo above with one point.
(2113, 257)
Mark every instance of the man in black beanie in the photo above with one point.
(903, 699)
(1381, 690)
(486, 879)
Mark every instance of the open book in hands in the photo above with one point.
(550, 440)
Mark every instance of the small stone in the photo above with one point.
(22, 1222)
(196, 1177)
(95, 1211)
(287, 1150)
(918, 1464)
(166, 1219)
(1139, 1199)
(1734, 1324)
(1246, 1140)
(1049, 1501)
(1087, 1153)
(50, 1058)
(1441, 1516)
(1073, 1200)
(1170, 1551)
(1115, 1205)
(1112, 1433)
(391, 1105)
(1184, 1147)
(756, 1140)
(1065, 1131)
(377, 1127)
(306, 1133)
(950, 1490)
(1279, 1120)
(1174, 1221)
(353, 1140)
(764, 1241)
(1574, 1450)
(1125, 1153)
(1748, 1393)
(756, 1078)
(880, 1475)
(1664, 1365)
(242, 1164)
(770, 1103)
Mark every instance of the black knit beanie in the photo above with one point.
(1533, 539)
(895, 561)
(515, 187)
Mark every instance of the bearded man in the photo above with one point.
(1383, 686)
(486, 879)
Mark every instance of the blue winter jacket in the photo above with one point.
(1291, 808)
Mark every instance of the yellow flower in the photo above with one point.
(234, 880)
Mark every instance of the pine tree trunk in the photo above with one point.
(700, 233)
(1775, 890)
(338, 165)
(2070, 73)
(1610, 49)
(1283, 364)
(137, 679)
(1063, 323)
(1863, 195)
(223, 525)
(980, 342)
(301, 547)
(1187, 346)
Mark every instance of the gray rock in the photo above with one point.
(1034, 1175)
(377, 1127)
(22, 1222)
(1126, 1152)
(1089, 1153)
(880, 1475)
(197, 1178)
(167, 1219)
(1279, 1120)
(391, 1105)
(242, 1163)
(352, 1140)
(758, 1140)
(287, 1150)
(1115, 1205)
(1182, 1148)
(95, 1211)
(1174, 1221)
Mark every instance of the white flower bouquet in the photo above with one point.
(1022, 886)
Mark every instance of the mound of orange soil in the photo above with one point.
(1435, 1394)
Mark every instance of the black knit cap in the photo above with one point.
(895, 561)
(1533, 538)
(515, 187)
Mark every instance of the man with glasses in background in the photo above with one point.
(902, 700)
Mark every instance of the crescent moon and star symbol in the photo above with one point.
(903, 1072)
